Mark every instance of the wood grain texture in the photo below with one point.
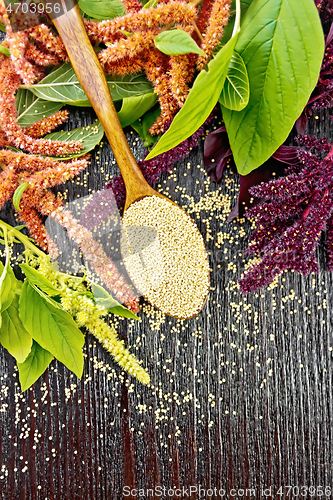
(241, 396)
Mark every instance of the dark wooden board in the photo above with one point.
(241, 396)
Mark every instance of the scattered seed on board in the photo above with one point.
(165, 256)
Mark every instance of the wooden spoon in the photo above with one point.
(87, 68)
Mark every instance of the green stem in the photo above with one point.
(237, 18)
(196, 2)
(5, 235)
(7, 229)
(198, 31)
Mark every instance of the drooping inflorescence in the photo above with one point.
(290, 222)
(128, 47)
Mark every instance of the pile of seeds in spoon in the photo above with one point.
(165, 256)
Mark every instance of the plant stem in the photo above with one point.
(237, 18)
(7, 229)
(198, 31)
(196, 2)
(5, 235)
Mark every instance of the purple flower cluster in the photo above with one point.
(290, 222)
(322, 96)
(325, 8)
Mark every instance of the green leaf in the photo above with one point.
(147, 121)
(122, 311)
(134, 107)
(137, 126)
(282, 45)
(151, 4)
(36, 278)
(31, 109)
(62, 85)
(90, 137)
(16, 284)
(16, 150)
(6, 285)
(34, 366)
(105, 9)
(176, 42)
(18, 195)
(53, 329)
(13, 336)
(4, 50)
(142, 126)
(236, 91)
(201, 100)
(48, 299)
(103, 298)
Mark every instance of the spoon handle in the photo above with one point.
(88, 70)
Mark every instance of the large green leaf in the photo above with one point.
(13, 336)
(236, 91)
(36, 278)
(282, 45)
(102, 9)
(90, 137)
(175, 42)
(134, 107)
(46, 297)
(31, 109)
(201, 100)
(53, 329)
(62, 85)
(34, 366)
